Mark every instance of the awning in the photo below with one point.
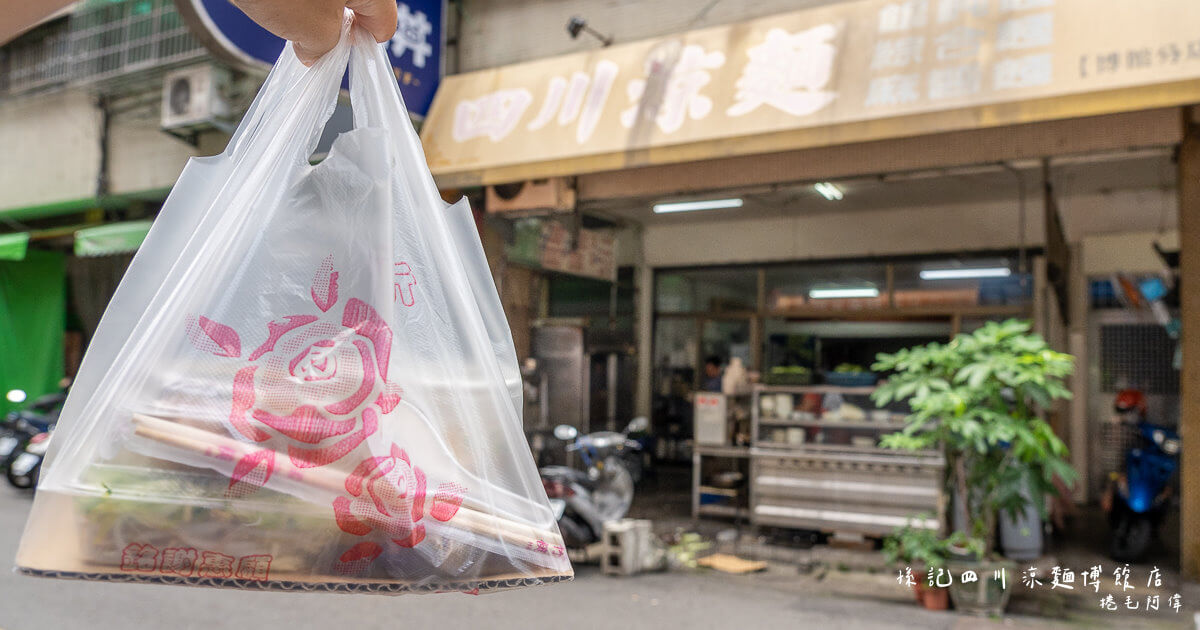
(114, 238)
(838, 74)
(74, 206)
(24, 16)
(14, 246)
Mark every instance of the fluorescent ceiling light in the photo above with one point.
(689, 206)
(829, 191)
(977, 272)
(843, 292)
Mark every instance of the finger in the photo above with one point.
(313, 26)
(307, 56)
(377, 16)
(317, 32)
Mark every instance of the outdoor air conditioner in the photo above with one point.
(191, 97)
(554, 194)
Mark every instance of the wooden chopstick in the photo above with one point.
(217, 446)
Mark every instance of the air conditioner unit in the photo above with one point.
(191, 97)
(555, 194)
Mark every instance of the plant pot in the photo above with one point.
(988, 595)
(851, 379)
(931, 598)
(1021, 538)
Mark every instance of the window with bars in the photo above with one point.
(39, 59)
(102, 39)
(1139, 356)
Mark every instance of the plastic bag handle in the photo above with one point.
(376, 101)
(287, 117)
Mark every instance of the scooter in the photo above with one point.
(25, 468)
(584, 499)
(1138, 498)
(25, 437)
(607, 448)
(18, 428)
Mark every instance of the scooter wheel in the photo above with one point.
(1131, 538)
(23, 482)
(26, 481)
(576, 534)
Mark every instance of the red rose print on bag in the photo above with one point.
(389, 495)
(318, 383)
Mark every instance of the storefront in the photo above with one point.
(1031, 137)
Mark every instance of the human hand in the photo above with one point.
(314, 26)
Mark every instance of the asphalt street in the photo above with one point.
(660, 601)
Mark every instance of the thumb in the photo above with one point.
(377, 16)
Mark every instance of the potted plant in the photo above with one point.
(977, 399)
(924, 551)
(850, 375)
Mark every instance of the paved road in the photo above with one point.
(661, 602)
(591, 601)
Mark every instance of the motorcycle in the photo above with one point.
(18, 428)
(24, 438)
(23, 472)
(1137, 499)
(584, 499)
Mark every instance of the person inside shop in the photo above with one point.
(712, 374)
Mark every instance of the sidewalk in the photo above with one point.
(864, 576)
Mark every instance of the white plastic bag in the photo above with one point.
(305, 379)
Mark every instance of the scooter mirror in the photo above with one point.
(640, 424)
(565, 432)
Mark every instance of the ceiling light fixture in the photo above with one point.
(957, 274)
(690, 206)
(843, 292)
(829, 191)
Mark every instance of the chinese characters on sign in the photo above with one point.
(1064, 578)
(681, 90)
(1110, 62)
(412, 34)
(494, 115)
(744, 89)
(958, 70)
(789, 72)
(582, 98)
(792, 71)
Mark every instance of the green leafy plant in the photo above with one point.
(788, 375)
(977, 399)
(921, 548)
(849, 368)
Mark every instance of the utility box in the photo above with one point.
(711, 418)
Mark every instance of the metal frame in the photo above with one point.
(1104, 457)
(850, 493)
(100, 43)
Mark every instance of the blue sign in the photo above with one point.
(415, 49)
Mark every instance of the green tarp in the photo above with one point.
(13, 246)
(32, 318)
(114, 238)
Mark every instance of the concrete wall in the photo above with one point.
(1130, 252)
(896, 231)
(141, 156)
(51, 148)
(499, 32)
